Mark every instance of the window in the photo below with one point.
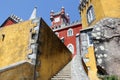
(84, 43)
(33, 36)
(57, 34)
(71, 48)
(3, 36)
(70, 32)
(86, 60)
(62, 39)
(86, 39)
(90, 14)
(90, 40)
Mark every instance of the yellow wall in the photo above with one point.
(102, 9)
(92, 72)
(111, 8)
(96, 4)
(14, 47)
(24, 71)
(53, 54)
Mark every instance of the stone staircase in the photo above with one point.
(64, 74)
(72, 71)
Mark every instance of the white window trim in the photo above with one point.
(90, 14)
(89, 40)
(62, 38)
(72, 51)
(69, 31)
(57, 34)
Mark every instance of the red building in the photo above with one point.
(11, 20)
(64, 30)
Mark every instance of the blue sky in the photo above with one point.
(23, 8)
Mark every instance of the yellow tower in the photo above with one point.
(93, 11)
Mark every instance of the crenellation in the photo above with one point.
(66, 26)
(16, 18)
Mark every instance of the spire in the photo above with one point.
(33, 15)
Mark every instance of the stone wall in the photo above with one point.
(106, 35)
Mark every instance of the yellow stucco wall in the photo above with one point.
(14, 47)
(102, 9)
(96, 4)
(111, 8)
(53, 54)
(24, 71)
(92, 72)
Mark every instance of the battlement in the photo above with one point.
(63, 26)
(83, 4)
(16, 18)
(59, 18)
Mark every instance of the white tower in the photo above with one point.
(33, 15)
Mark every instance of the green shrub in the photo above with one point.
(110, 78)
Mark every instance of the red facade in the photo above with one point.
(69, 40)
(59, 18)
(64, 30)
(11, 20)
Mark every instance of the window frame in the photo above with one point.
(70, 32)
(71, 49)
(89, 38)
(90, 14)
(56, 33)
(62, 39)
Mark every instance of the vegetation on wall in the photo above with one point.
(112, 77)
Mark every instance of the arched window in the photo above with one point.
(57, 34)
(90, 14)
(71, 48)
(62, 39)
(70, 32)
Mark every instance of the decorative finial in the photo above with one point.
(52, 11)
(67, 14)
(62, 7)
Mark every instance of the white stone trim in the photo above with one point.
(13, 65)
(57, 34)
(71, 48)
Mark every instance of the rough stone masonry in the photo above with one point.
(106, 37)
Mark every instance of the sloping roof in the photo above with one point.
(13, 18)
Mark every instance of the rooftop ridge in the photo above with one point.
(16, 18)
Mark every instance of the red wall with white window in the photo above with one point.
(70, 39)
